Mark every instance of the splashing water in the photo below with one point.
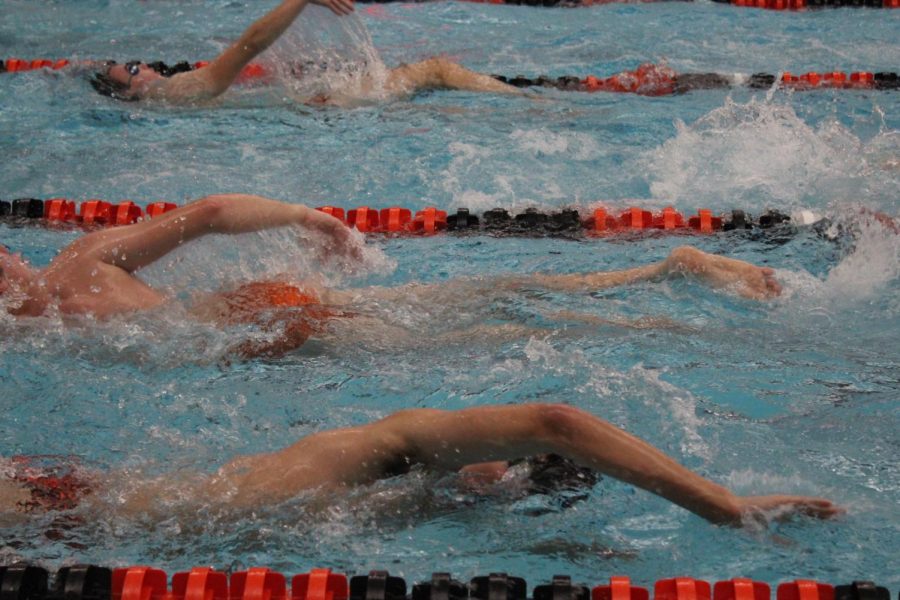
(321, 55)
(739, 153)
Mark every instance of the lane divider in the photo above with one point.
(91, 582)
(814, 4)
(397, 220)
(648, 79)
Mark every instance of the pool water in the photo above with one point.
(796, 395)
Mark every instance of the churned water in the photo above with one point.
(796, 395)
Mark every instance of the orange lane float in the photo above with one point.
(91, 582)
(619, 588)
(741, 588)
(646, 80)
(396, 220)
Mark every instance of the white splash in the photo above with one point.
(739, 153)
(323, 55)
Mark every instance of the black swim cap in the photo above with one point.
(551, 473)
(106, 86)
(167, 71)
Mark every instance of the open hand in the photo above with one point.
(779, 507)
(340, 237)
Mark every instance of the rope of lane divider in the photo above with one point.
(814, 4)
(398, 220)
(91, 582)
(648, 79)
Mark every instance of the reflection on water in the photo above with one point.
(798, 394)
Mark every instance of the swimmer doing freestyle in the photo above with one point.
(478, 442)
(137, 81)
(97, 274)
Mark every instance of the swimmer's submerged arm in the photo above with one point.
(584, 281)
(454, 439)
(141, 244)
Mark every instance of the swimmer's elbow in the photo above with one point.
(211, 210)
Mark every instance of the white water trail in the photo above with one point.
(762, 154)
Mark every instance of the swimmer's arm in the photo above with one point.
(584, 281)
(215, 78)
(454, 439)
(139, 245)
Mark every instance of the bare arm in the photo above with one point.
(215, 78)
(139, 245)
(452, 440)
(585, 281)
(715, 271)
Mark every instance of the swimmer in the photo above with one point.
(97, 274)
(478, 442)
(134, 81)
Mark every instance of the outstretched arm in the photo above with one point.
(215, 78)
(138, 245)
(716, 271)
(452, 440)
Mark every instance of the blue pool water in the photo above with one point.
(796, 395)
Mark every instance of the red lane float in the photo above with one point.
(741, 588)
(430, 220)
(319, 584)
(334, 211)
(127, 212)
(91, 582)
(805, 589)
(59, 209)
(396, 220)
(139, 583)
(200, 583)
(681, 588)
(258, 583)
(160, 208)
(646, 80)
(813, 4)
(619, 588)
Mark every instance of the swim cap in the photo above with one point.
(106, 86)
(551, 473)
(167, 70)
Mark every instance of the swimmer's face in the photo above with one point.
(133, 76)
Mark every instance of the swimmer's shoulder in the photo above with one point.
(191, 87)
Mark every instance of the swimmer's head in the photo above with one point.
(126, 82)
(552, 473)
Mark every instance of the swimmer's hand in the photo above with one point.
(338, 7)
(763, 509)
(341, 238)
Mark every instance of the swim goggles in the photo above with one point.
(132, 67)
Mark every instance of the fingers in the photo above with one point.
(779, 508)
(772, 285)
(820, 508)
(341, 7)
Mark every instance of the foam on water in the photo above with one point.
(741, 152)
(796, 395)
